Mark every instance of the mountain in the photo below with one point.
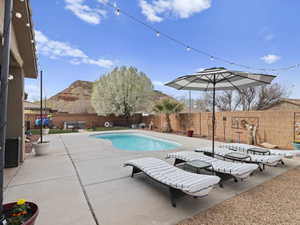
(77, 98)
(73, 99)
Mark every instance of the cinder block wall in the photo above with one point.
(275, 127)
(90, 120)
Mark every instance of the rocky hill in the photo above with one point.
(77, 98)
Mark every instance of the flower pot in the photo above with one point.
(296, 145)
(190, 133)
(34, 210)
(45, 131)
(41, 148)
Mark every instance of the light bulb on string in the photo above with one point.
(117, 11)
(18, 15)
(27, 24)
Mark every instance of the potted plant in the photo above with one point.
(296, 145)
(46, 129)
(20, 213)
(190, 133)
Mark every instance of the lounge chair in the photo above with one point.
(221, 168)
(247, 148)
(260, 160)
(176, 179)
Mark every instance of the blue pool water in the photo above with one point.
(136, 142)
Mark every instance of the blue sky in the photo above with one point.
(83, 39)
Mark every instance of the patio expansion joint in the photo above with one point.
(16, 173)
(106, 181)
(38, 181)
(81, 184)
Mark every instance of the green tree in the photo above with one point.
(122, 92)
(168, 106)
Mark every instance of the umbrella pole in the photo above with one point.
(214, 116)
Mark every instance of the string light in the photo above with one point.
(10, 77)
(188, 48)
(27, 24)
(118, 12)
(18, 15)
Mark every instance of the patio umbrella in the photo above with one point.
(219, 79)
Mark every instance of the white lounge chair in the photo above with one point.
(260, 160)
(221, 168)
(176, 179)
(246, 148)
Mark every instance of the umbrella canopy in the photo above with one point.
(219, 79)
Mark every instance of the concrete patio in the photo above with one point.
(83, 181)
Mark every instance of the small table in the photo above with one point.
(236, 156)
(259, 151)
(197, 165)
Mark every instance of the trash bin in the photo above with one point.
(12, 152)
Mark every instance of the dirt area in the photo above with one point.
(274, 202)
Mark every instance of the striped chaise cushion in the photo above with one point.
(234, 168)
(245, 147)
(173, 176)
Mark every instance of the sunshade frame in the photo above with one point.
(214, 78)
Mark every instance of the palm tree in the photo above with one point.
(168, 106)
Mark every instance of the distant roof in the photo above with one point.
(287, 100)
(291, 100)
(33, 106)
(30, 105)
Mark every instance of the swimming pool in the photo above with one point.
(137, 142)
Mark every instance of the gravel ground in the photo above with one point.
(274, 202)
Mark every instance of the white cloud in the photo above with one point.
(270, 58)
(269, 37)
(155, 10)
(99, 62)
(85, 12)
(158, 83)
(150, 11)
(56, 49)
(199, 69)
(33, 92)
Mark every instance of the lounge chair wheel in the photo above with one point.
(221, 185)
(282, 162)
(235, 180)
